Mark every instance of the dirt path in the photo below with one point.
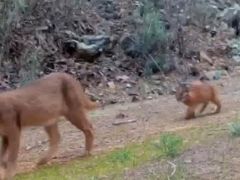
(153, 116)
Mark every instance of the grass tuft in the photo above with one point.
(234, 128)
(170, 145)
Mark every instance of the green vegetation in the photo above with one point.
(132, 156)
(170, 145)
(30, 68)
(98, 166)
(121, 157)
(28, 64)
(152, 38)
(234, 128)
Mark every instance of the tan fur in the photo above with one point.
(41, 103)
(196, 93)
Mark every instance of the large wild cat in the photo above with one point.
(41, 103)
(195, 93)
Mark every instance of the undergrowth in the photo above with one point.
(170, 145)
(30, 67)
(152, 38)
(234, 128)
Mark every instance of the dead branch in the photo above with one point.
(174, 167)
(124, 122)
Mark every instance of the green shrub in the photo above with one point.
(151, 38)
(121, 156)
(30, 66)
(234, 128)
(10, 14)
(154, 65)
(202, 15)
(170, 145)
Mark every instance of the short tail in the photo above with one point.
(89, 105)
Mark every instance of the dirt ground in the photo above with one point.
(152, 116)
(217, 159)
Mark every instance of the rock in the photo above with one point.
(129, 45)
(123, 78)
(28, 147)
(156, 77)
(149, 98)
(207, 28)
(230, 13)
(121, 116)
(188, 161)
(215, 74)
(87, 48)
(159, 91)
(133, 93)
(156, 82)
(111, 85)
(70, 35)
(101, 40)
(213, 10)
(128, 85)
(81, 50)
(135, 99)
(235, 49)
(212, 75)
(236, 59)
(113, 101)
(172, 91)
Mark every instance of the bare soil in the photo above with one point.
(217, 159)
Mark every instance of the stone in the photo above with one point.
(230, 13)
(87, 47)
